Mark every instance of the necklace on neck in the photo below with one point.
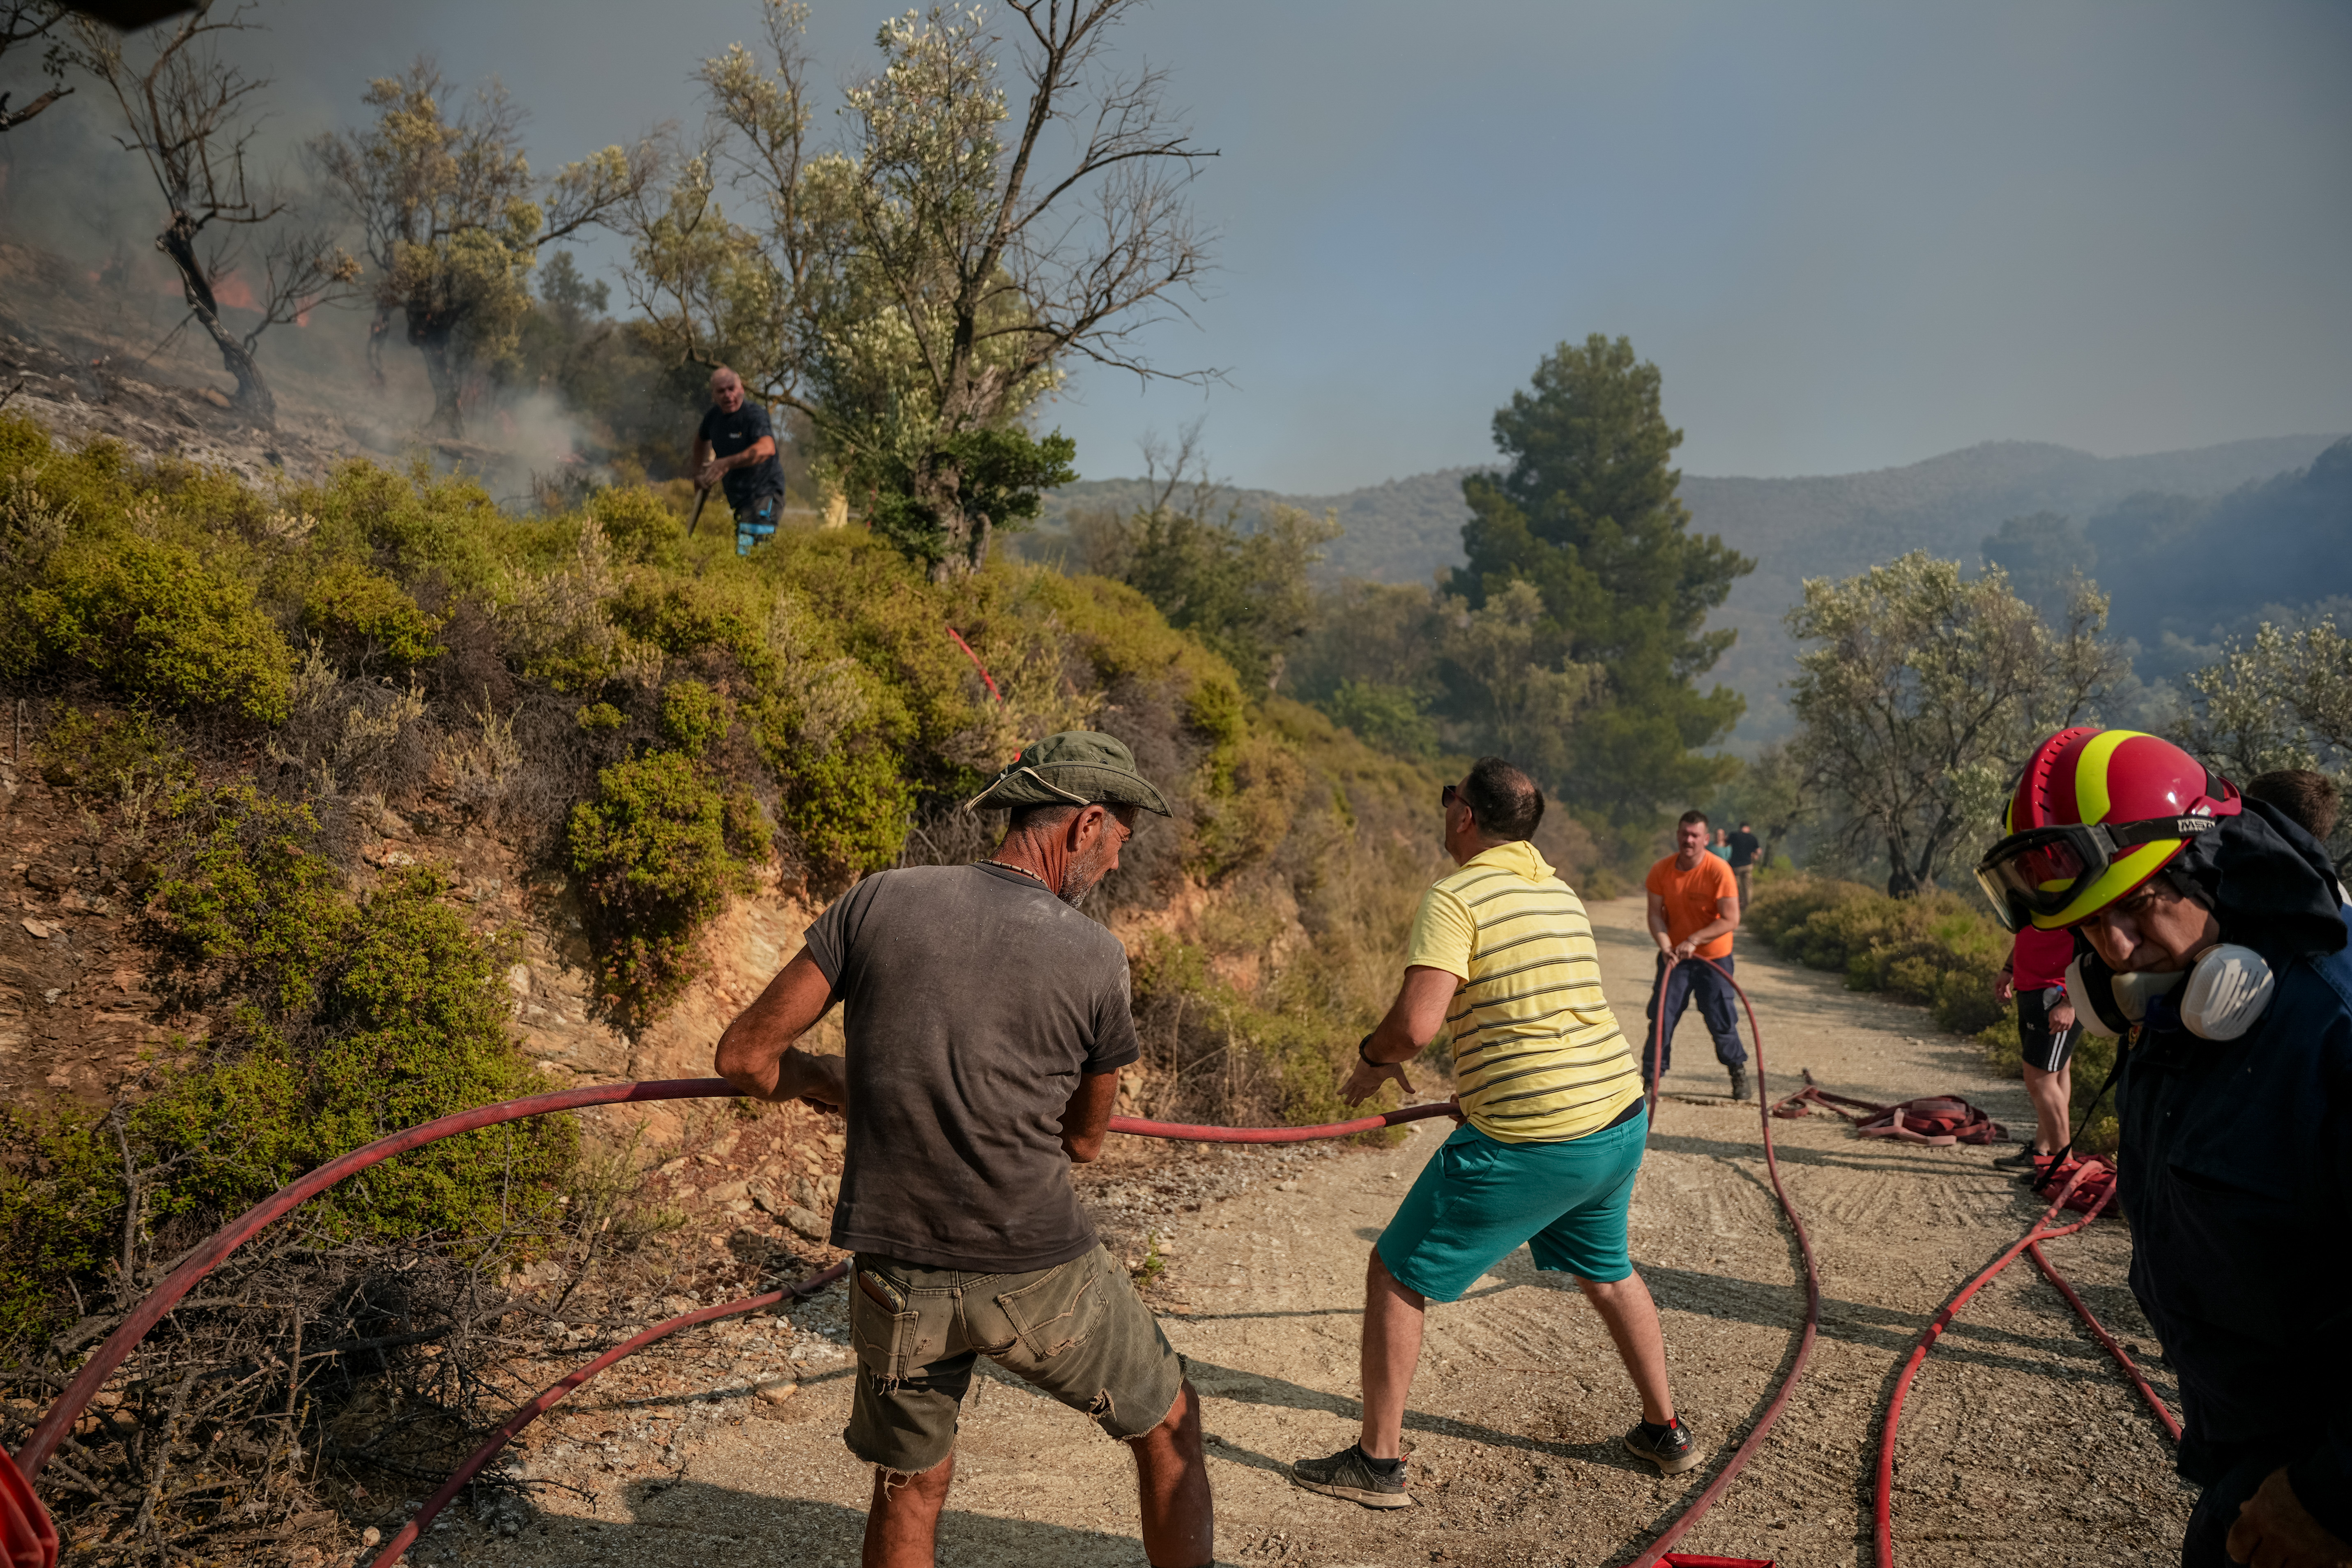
(1022, 869)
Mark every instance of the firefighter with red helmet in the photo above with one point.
(2209, 940)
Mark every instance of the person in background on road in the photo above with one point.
(1721, 847)
(735, 448)
(1745, 847)
(986, 1022)
(2033, 975)
(1552, 1128)
(2308, 799)
(2213, 943)
(1694, 909)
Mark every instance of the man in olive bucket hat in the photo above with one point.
(986, 1022)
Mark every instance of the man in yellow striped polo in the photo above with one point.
(1502, 954)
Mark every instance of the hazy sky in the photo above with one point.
(1851, 235)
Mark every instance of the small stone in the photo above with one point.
(48, 878)
(806, 1224)
(370, 1536)
(728, 1192)
(775, 1390)
(1286, 1186)
(36, 929)
(761, 1193)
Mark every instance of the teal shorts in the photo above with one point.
(1477, 1199)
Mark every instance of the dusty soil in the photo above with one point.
(2021, 1444)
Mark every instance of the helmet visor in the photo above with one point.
(2043, 870)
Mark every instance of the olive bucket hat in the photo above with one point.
(1076, 767)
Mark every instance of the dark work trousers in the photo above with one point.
(2207, 1543)
(1716, 1005)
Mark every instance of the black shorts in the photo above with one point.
(2043, 1047)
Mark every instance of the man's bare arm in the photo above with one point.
(1658, 922)
(1411, 1022)
(758, 1054)
(1087, 1118)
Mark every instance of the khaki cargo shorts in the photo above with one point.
(1077, 1332)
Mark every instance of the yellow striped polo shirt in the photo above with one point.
(1537, 1055)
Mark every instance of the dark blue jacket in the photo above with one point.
(2236, 1174)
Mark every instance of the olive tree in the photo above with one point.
(2282, 699)
(193, 116)
(452, 220)
(1919, 692)
(915, 289)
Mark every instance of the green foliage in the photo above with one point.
(849, 810)
(350, 1021)
(108, 753)
(1922, 692)
(657, 851)
(1390, 717)
(362, 615)
(1245, 593)
(61, 1198)
(942, 502)
(693, 717)
(1587, 513)
(1940, 950)
(159, 624)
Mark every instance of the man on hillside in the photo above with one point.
(735, 448)
(986, 1022)
(2212, 942)
(1745, 847)
(1695, 907)
(1552, 1129)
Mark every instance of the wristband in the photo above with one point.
(1364, 1057)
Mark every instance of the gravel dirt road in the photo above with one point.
(2022, 1446)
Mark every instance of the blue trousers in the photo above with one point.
(2238, 1471)
(1718, 1006)
(756, 522)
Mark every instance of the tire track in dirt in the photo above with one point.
(2021, 1444)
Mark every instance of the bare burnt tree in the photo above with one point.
(25, 23)
(192, 118)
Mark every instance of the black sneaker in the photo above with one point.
(1670, 1448)
(2022, 1160)
(1352, 1474)
(1739, 1083)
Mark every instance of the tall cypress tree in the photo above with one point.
(1587, 513)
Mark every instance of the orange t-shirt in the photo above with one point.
(1691, 897)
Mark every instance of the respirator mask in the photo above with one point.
(2218, 997)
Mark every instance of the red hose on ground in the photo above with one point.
(551, 1395)
(1755, 1439)
(2099, 1330)
(1883, 1507)
(237, 1232)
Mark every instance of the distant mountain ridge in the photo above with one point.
(1829, 525)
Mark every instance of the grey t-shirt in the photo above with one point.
(973, 1000)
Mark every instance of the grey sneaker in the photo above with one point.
(1739, 1083)
(1351, 1474)
(1670, 1448)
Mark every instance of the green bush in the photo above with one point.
(657, 851)
(159, 626)
(352, 1021)
(693, 718)
(1938, 950)
(357, 611)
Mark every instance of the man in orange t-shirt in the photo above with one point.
(1694, 909)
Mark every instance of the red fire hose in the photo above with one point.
(1755, 1440)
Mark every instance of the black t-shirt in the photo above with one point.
(974, 1001)
(1743, 846)
(731, 433)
